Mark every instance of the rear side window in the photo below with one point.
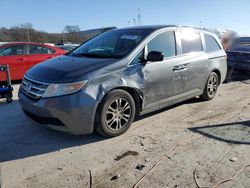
(51, 51)
(211, 44)
(165, 43)
(35, 49)
(12, 50)
(191, 42)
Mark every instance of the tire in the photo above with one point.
(9, 100)
(115, 113)
(211, 87)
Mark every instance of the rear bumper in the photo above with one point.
(73, 113)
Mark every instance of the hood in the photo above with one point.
(64, 68)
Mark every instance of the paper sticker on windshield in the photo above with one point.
(129, 37)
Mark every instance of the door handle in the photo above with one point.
(181, 67)
(186, 65)
(176, 68)
(49, 57)
(21, 59)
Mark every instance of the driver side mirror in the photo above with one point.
(155, 56)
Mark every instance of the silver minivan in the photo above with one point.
(108, 80)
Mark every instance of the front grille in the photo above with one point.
(32, 88)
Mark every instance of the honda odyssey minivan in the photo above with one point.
(108, 80)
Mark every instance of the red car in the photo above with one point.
(21, 56)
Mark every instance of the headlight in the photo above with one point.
(63, 89)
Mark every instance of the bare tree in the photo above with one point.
(4, 34)
(71, 28)
(27, 33)
(71, 33)
(27, 27)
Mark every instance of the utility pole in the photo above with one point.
(28, 35)
(134, 21)
(137, 21)
(139, 17)
(63, 35)
(28, 26)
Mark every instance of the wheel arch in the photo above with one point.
(218, 73)
(135, 93)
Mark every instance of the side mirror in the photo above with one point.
(155, 56)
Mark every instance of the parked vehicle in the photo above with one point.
(239, 55)
(244, 41)
(110, 79)
(21, 56)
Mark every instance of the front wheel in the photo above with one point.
(115, 114)
(211, 87)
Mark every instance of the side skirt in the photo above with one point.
(168, 103)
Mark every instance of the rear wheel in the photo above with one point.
(115, 114)
(211, 87)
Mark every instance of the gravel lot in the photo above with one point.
(206, 140)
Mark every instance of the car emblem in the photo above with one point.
(28, 88)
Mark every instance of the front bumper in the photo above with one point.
(73, 113)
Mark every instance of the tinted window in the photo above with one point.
(12, 50)
(112, 44)
(191, 42)
(35, 49)
(211, 43)
(164, 42)
(51, 51)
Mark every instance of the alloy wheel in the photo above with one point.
(118, 114)
(212, 85)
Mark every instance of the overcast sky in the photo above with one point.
(53, 15)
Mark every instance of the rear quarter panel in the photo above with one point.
(218, 61)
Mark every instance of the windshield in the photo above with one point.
(112, 44)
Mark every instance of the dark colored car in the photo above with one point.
(239, 55)
(21, 56)
(244, 41)
(110, 79)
